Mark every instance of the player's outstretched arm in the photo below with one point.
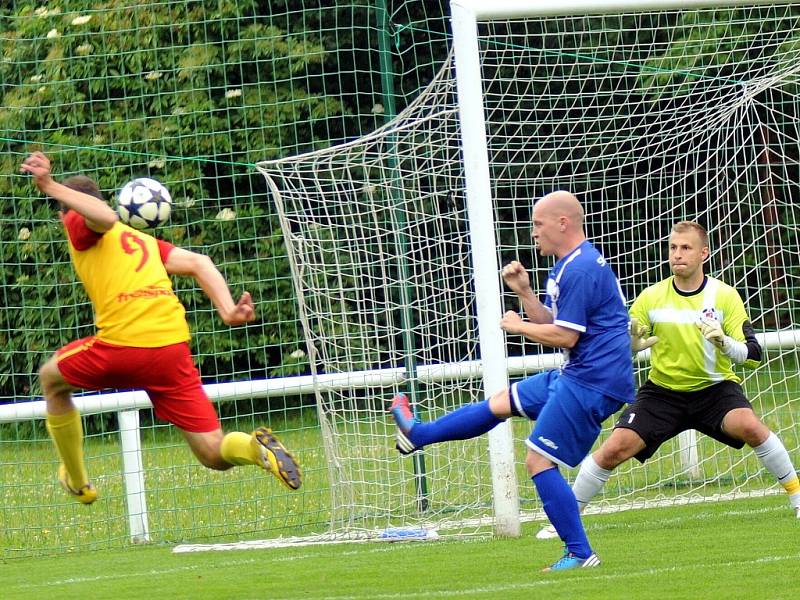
(202, 268)
(99, 216)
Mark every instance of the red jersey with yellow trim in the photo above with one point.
(123, 273)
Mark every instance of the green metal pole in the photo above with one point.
(403, 291)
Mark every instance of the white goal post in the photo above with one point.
(479, 196)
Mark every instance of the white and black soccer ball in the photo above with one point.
(144, 203)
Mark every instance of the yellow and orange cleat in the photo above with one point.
(276, 459)
(85, 495)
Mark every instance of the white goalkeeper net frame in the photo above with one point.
(651, 112)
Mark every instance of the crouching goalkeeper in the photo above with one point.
(698, 329)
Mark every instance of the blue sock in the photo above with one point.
(469, 421)
(561, 508)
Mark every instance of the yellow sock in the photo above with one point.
(67, 433)
(237, 449)
(792, 486)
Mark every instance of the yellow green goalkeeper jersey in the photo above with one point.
(683, 360)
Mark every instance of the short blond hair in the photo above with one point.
(685, 226)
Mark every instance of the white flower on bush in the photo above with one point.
(36, 78)
(233, 93)
(53, 33)
(84, 49)
(82, 20)
(226, 214)
(153, 75)
(24, 234)
(299, 353)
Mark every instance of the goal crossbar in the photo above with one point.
(511, 9)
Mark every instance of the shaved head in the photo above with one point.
(558, 223)
(561, 203)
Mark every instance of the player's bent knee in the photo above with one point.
(612, 458)
(744, 425)
(57, 392)
(49, 375)
(536, 463)
(618, 448)
(206, 448)
(500, 404)
(753, 433)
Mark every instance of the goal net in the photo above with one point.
(650, 117)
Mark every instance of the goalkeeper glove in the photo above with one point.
(639, 339)
(712, 331)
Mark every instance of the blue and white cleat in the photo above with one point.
(405, 420)
(570, 561)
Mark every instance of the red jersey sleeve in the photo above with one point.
(81, 237)
(164, 248)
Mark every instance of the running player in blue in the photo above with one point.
(584, 313)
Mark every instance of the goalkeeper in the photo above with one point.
(700, 330)
(142, 338)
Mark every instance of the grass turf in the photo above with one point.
(740, 549)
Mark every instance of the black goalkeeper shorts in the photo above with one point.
(659, 414)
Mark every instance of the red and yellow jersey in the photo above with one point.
(123, 273)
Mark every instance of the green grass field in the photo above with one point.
(728, 550)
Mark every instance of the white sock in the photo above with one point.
(775, 458)
(590, 480)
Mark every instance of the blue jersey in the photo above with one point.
(584, 295)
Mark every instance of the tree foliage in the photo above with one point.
(185, 92)
(193, 94)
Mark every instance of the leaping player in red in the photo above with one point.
(142, 337)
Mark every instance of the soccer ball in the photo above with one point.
(144, 203)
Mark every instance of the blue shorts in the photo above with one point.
(568, 415)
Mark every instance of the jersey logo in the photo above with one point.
(127, 239)
(710, 313)
(548, 443)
